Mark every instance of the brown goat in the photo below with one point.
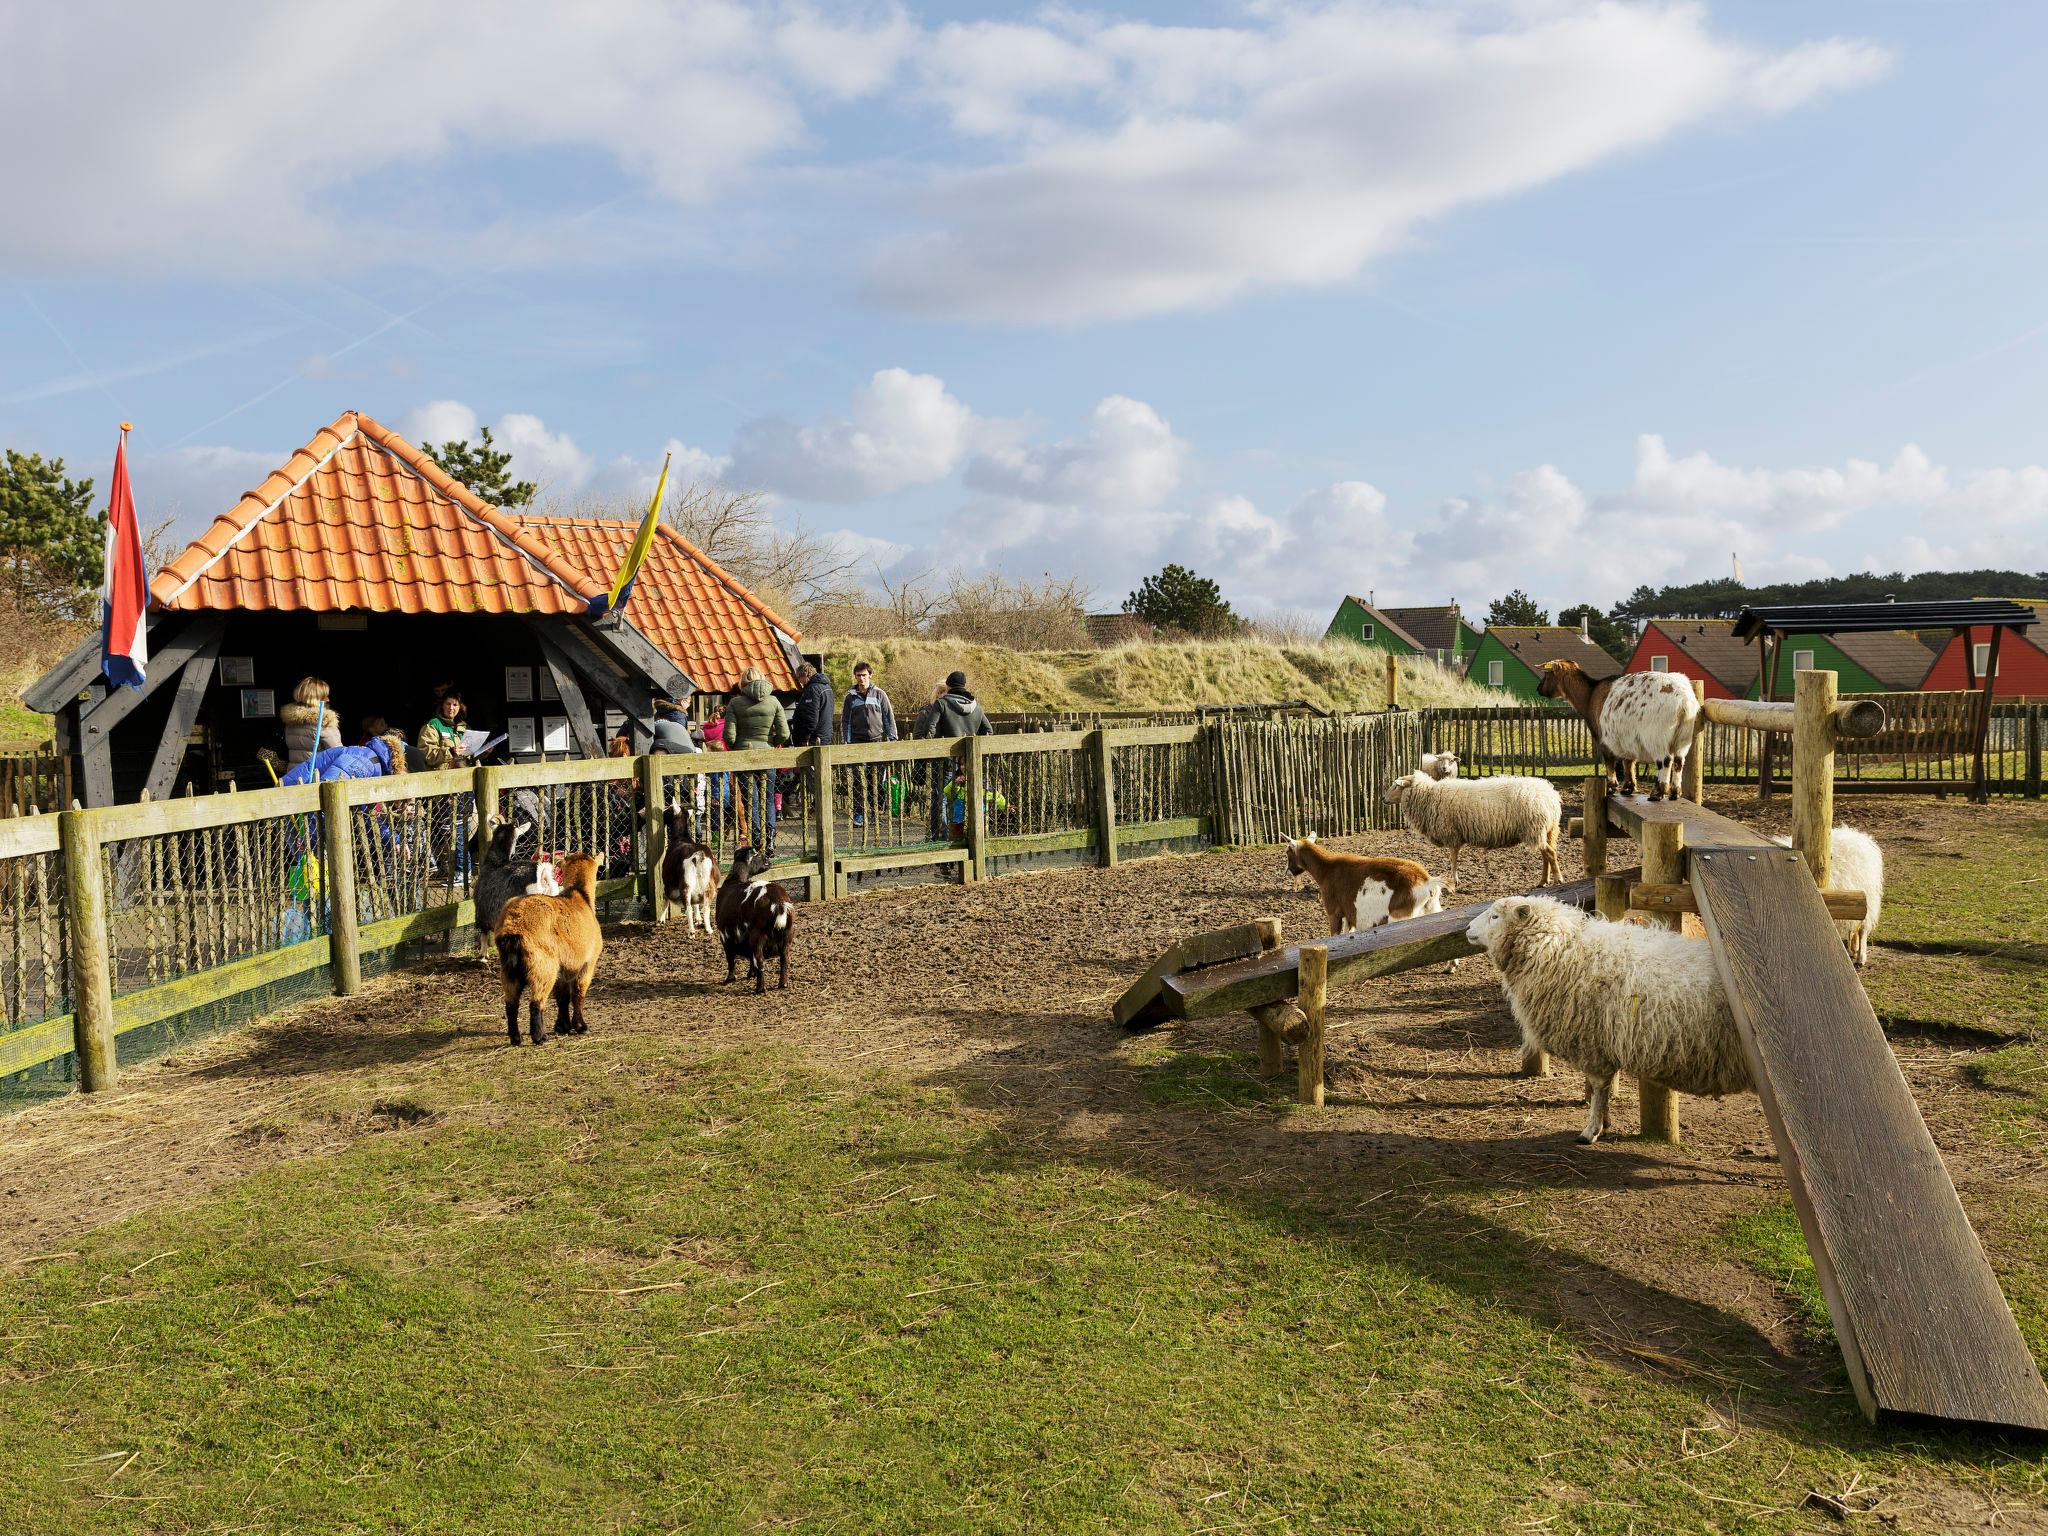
(755, 920)
(548, 946)
(1363, 892)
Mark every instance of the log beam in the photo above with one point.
(1843, 906)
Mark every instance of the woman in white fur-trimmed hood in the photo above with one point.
(309, 722)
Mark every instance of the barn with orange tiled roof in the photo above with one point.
(362, 562)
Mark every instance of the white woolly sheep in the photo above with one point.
(1855, 863)
(1613, 997)
(1438, 765)
(1637, 717)
(1507, 812)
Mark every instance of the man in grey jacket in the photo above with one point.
(866, 717)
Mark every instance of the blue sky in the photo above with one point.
(1430, 302)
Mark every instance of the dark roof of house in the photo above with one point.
(1712, 644)
(1895, 658)
(1432, 629)
(1863, 618)
(1381, 616)
(1534, 644)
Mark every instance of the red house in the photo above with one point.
(2022, 663)
(1702, 648)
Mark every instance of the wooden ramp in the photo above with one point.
(1924, 1329)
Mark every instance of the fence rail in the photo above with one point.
(124, 929)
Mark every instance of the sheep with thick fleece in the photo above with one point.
(1855, 863)
(1613, 997)
(1507, 812)
(1438, 765)
(1645, 717)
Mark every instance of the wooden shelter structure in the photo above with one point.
(361, 561)
(1955, 724)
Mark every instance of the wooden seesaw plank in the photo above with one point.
(1141, 1003)
(1924, 1329)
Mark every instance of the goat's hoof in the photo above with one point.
(1587, 1138)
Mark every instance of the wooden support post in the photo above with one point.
(1276, 1021)
(92, 983)
(1979, 790)
(1663, 864)
(1393, 685)
(2030, 722)
(826, 886)
(1594, 814)
(1768, 656)
(485, 792)
(1315, 997)
(1103, 757)
(1695, 786)
(977, 810)
(653, 830)
(1610, 897)
(337, 847)
(1813, 776)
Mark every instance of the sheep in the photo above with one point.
(1506, 812)
(548, 946)
(1360, 892)
(500, 877)
(1613, 997)
(1636, 717)
(1438, 765)
(689, 871)
(1855, 863)
(756, 918)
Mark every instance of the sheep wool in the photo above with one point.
(1855, 863)
(1505, 812)
(1613, 997)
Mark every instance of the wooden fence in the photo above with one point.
(39, 780)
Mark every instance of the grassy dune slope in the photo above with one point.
(1333, 674)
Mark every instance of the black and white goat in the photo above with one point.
(689, 870)
(756, 918)
(502, 877)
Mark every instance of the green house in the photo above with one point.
(1508, 656)
(1882, 661)
(1438, 632)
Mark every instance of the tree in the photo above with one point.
(1610, 636)
(1179, 600)
(52, 544)
(794, 571)
(1518, 607)
(483, 470)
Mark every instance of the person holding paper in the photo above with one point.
(440, 741)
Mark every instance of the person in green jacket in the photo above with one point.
(754, 720)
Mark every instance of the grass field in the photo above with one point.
(691, 1276)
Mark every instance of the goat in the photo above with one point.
(548, 946)
(500, 878)
(1360, 892)
(689, 871)
(1505, 812)
(1856, 863)
(1438, 765)
(1636, 717)
(1613, 997)
(756, 918)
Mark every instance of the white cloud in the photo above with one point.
(440, 421)
(1165, 168)
(550, 459)
(1129, 460)
(903, 430)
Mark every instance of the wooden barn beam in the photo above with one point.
(165, 662)
(626, 688)
(616, 631)
(170, 750)
(570, 687)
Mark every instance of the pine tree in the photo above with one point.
(52, 543)
(1518, 607)
(483, 470)
(1180, 602)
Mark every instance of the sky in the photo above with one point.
(1421, 301)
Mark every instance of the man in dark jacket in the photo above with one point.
(866, 717)
(810, 719)
(956, 713)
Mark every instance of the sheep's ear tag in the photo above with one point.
(1310, 838)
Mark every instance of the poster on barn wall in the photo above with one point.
(554, 733)
(518, 685)
(549, 693)
(237, 671)
(519, 733)
(259, 703)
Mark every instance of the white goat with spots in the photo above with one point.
(1855, 863)
(1638, 717)
(1613, 997)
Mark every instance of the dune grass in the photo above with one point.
(1332, 674)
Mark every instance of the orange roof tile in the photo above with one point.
(682, 600)
(360, 518)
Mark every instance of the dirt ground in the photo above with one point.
(1001, 991)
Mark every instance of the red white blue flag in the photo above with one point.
(124, 639)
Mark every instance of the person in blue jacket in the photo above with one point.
(379, 756)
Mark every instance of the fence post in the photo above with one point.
(484, 790)
(1314, 988)
(1813, 771)
(1663, 864)
(92, 985)
(653, 830)
(826, 886)
(1695, 786)
(1104, 758)
(1593, 822)
(977, 811)
(2032, 726)
(1393, 682)
(337, 846)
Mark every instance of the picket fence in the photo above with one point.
(127, 930)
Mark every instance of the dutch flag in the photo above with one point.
(124, 637)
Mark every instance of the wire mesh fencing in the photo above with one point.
(895, 800)
(412, 853)
(1164, 781)
(1045, 790)
(35, 969)
(768, 801)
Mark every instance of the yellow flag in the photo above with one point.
(622, 589)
